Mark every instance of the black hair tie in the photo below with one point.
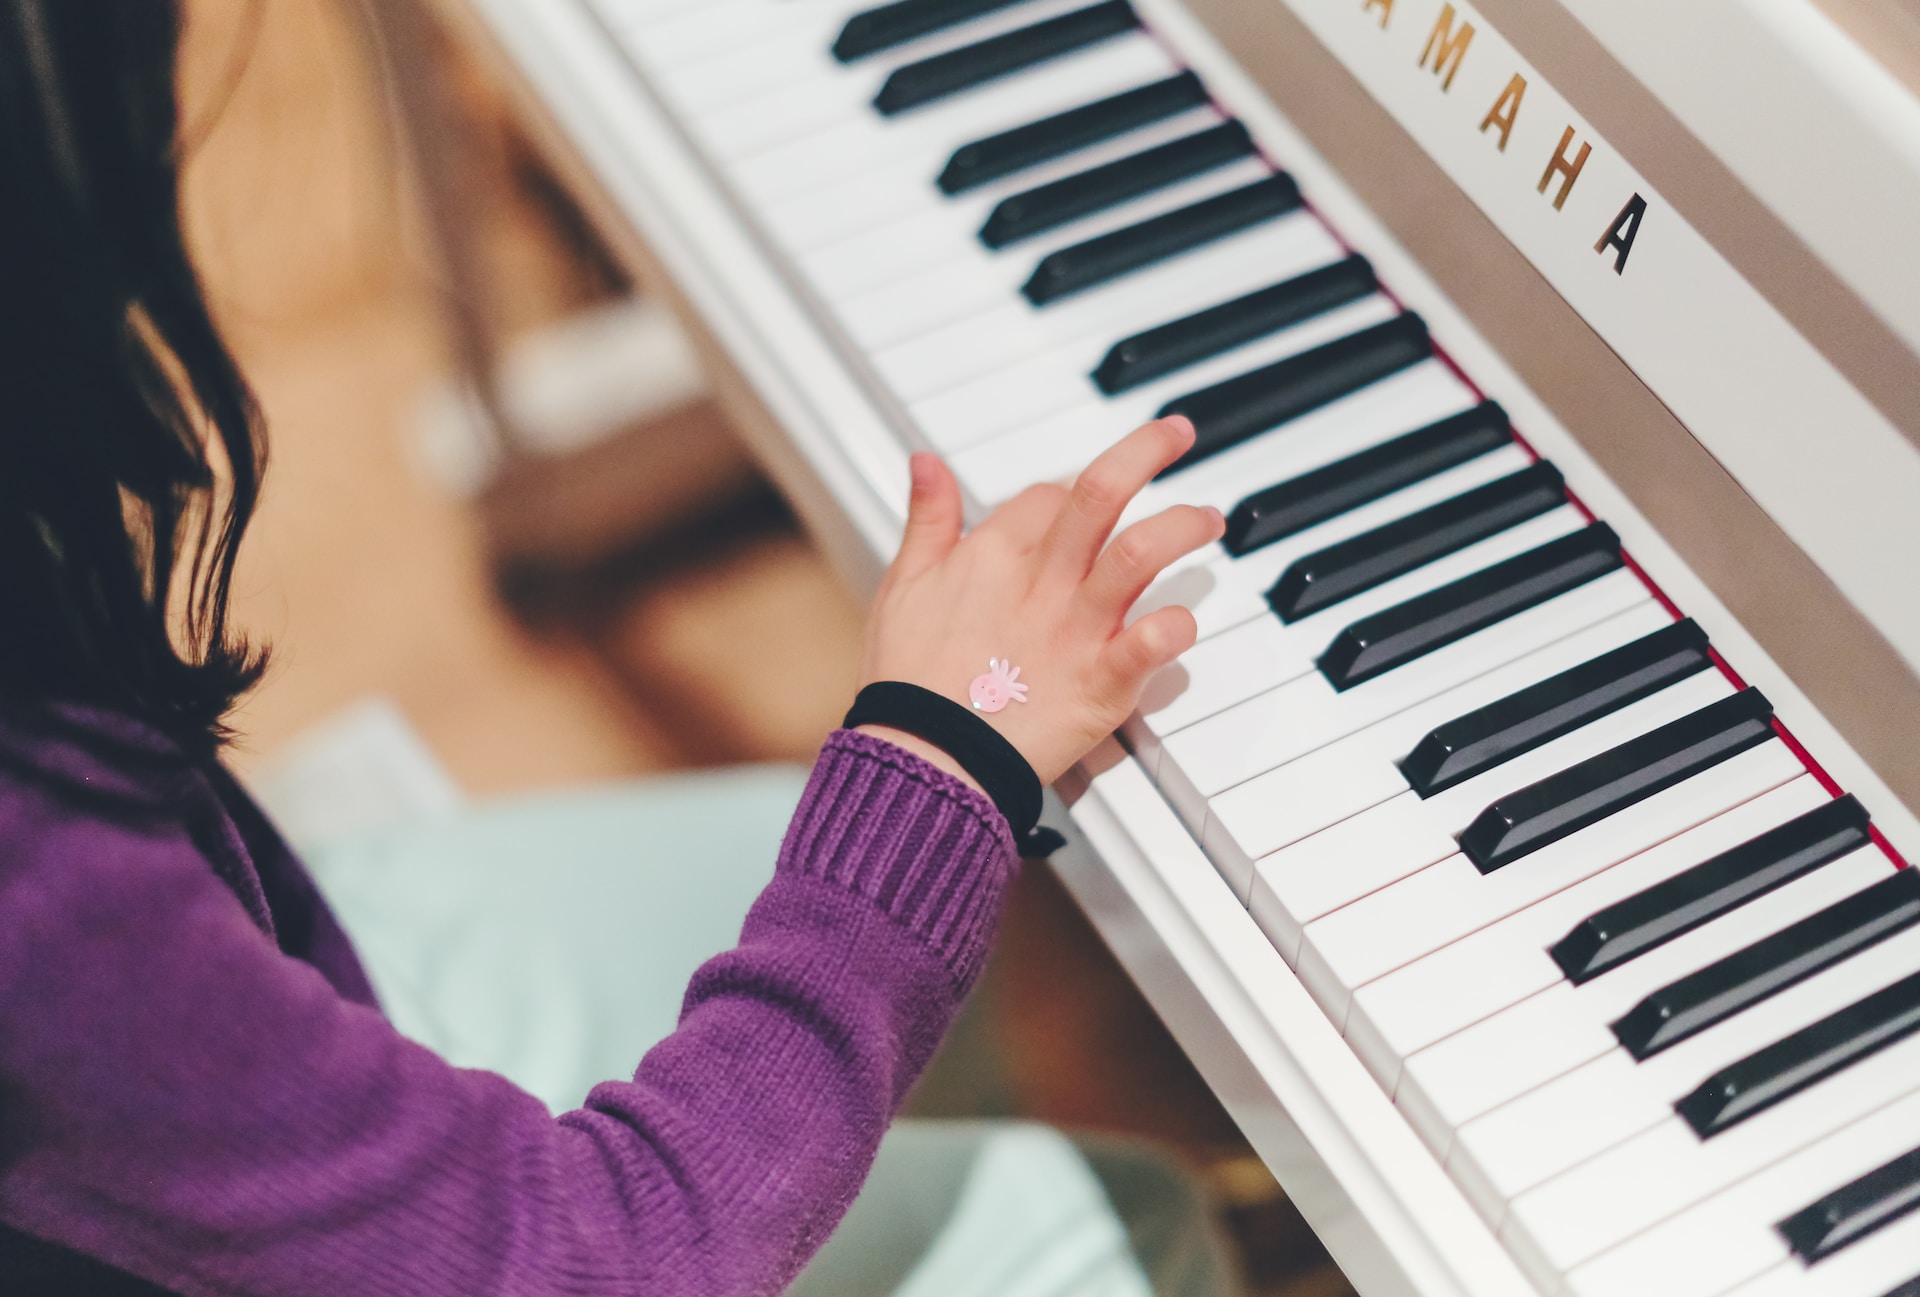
(981, 750)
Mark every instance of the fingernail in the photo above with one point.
(1219, 519)
(1181, 422)
(919, 469)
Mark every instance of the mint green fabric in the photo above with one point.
(472, 932)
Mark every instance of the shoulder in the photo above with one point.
(90, 761)
(96, 835)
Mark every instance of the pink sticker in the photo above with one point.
(998, 687)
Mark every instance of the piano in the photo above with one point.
(1521, 852)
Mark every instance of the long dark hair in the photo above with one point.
(130, 446)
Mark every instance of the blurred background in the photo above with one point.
(622, 594)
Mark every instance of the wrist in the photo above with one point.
(907, 715)
(933, 755)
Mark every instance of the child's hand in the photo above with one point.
(1033, 585)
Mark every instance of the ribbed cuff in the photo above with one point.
(928, 850)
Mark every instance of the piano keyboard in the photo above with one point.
(1644, 980)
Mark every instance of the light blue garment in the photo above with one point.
(550, 938)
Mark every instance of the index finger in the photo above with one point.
(1101, 493)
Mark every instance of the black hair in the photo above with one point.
(130, 445)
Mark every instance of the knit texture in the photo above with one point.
(886, 825)
(197, 1094)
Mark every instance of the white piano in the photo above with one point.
(1519, 852)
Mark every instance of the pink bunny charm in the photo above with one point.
(1000, 686)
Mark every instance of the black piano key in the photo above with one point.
(873, 30)
(1312, 498)
(1560, 805)
(1853, 1211)
(1147, 356)
(1540, 713)
(1046, 207)
(1720, 990)
(1911, 1288)
(1324, 578)
(989, 159)
(1228, 413)
(1433, 620)
(1087, 265)
(1704, 893)
(998, 56)
(1810, 1055)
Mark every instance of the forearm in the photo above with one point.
(796, 1048)
(193, 1107)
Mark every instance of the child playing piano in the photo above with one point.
(199, 1092)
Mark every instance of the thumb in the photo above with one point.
(933, 516)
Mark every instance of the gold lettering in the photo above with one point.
(1568, 169)
(1384, 6)
(1506, 109)
(1621, 234)
(1451, 46)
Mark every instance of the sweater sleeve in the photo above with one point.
(183, 1102)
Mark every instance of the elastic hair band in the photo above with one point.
(981, 750)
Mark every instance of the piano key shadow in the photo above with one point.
(1186, 587)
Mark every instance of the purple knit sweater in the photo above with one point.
(197, 1090)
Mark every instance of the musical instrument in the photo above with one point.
(1518, 853)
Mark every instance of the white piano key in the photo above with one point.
(792, 46)
(1057, 448)
(708, 62)
(1327, 784)
(1214, 675)
(927, 136)
(896, 219)
(981, 344)
(839, 93)
(1286, 723)
(1524, 1143)
(967, 285)
(871, 229)
(1206, 585)
(1308, 637)
(755, 65)
(1730, 1237)
(1056, 387)
(1444, 902)
(723, 28)
(711, 85)
(1266, 732)
(1310, 881)
(1233, 589)
(1788, 1279)
(1558, 1225)
(1475, 977)
(1876, 1266)
(636, 14)
(787, 113)
(1410, 399)
(1501, 1057)
(1058, 381)
(900, 209)
(1340, 865)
